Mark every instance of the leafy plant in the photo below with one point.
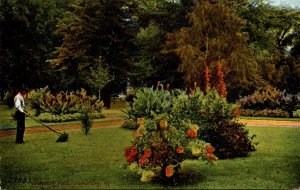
(148, 103)
(86, 119)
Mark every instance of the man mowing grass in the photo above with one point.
(20, 115)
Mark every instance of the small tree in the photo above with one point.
(99, 76)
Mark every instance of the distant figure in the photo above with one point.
(20, 115)
(130, 96)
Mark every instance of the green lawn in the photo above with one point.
(96, 161)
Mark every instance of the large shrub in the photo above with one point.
(210, 111)
(63, 102)
(159, 148)
(216, 116)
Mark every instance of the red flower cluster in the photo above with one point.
(130, 154)
(145, 157)
(192, 133)
(209, 149)
(180, 149)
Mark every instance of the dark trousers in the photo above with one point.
(20, 117)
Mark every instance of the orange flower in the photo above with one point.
(163, 124)
(147, 153)
(209, 149)
(169, 171)
(180, 149)
(211, 157)
(192, 133)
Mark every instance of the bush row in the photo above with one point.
(63, 102)
(49, 117)
(264, 113)
(271, 99)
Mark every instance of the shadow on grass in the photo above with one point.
(187, 176)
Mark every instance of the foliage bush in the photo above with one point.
(49, 117)
(271, 99)
(216, 116)
(264, 113)
(159, 148)
(63, 102)
(229, 137)
(210, 110)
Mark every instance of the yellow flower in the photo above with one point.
(163, 124)
(196, 151)
(147, 176)
(140, 121)
(195, 127)
(134, 166)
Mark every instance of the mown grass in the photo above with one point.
(96, 161)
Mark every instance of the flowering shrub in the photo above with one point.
(209, 110)
(159, 148)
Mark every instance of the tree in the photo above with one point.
(214, 34)
(93, 29)
(273, 35)
(99, 77)
(27, 39)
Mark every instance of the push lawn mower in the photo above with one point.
(63, 137)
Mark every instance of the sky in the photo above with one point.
(293, 3)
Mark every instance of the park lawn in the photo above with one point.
(96, 161)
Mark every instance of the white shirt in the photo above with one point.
(19, 102)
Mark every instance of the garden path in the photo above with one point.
(118, 121)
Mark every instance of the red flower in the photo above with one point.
(147, 153)
(192, 133)
(180, 149)
(209, 149)
(144, 161)
(130, 154)
(169, 171)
